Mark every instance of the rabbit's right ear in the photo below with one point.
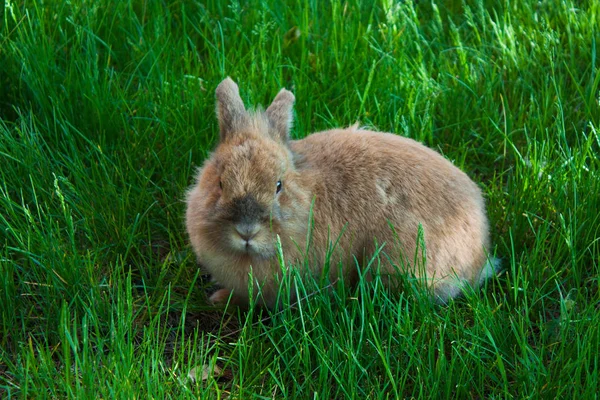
(230, 108)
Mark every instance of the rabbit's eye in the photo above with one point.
(279, 186)
(220, 184)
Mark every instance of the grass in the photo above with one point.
(106, 109)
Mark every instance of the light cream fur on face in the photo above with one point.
(259, 184)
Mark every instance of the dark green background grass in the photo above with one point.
(107, 107)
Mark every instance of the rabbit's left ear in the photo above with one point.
(280, 115)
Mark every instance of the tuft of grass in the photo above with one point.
(106, 108)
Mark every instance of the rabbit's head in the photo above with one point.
(247, 192)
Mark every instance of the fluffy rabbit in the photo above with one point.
(375, 189)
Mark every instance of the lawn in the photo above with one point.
(107, 108)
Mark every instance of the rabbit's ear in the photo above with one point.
(280, 114)
(230, 108)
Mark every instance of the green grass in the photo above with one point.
(106, 109)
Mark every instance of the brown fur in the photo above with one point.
(361, 181)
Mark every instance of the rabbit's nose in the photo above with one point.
(247, 231)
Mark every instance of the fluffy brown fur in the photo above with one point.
(258, 184)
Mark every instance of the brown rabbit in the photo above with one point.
(371, 189)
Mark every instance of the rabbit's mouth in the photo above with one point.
(247, 246)
(254, 247)
(240, 244)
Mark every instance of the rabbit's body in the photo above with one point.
(369, 182)
(377, 188)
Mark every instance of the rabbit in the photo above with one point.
(370, 191)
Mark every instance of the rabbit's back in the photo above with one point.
(365, 181)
